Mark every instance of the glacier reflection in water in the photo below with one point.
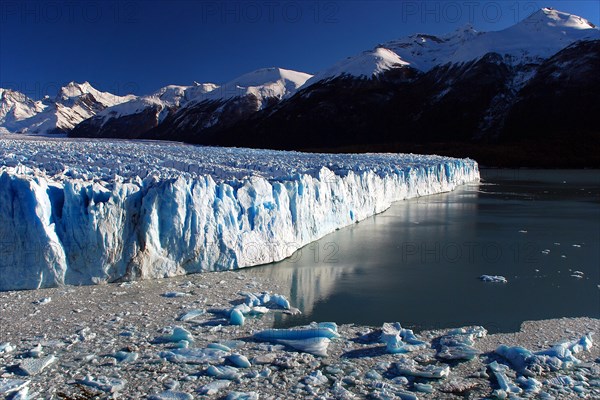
(419, 261)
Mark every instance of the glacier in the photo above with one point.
(82, 212)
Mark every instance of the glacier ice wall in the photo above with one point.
(88, 212)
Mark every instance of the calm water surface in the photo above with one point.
(419, 262)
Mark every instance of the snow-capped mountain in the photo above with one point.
(466, 87)
(137, 116)
(15, 106)
(367, 64)
(189, 105)
(73, 104)
(263, 84)
(234, 101)
(462, 87)
(536, 38)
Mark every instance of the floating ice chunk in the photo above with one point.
(22, 394)
(546, 251)
(33, 366)
(103, 383)
(86, 334)
(406, 395)
(6, 348)
(190, 315)
(372, 374)
(256, 299)
(265, 299)
(219, 346)
(195, 356)
(520, 358)
(243, 308)
(175, 294)
(560, 356)
(36, 352)
(530, 385)
(281, 301)
(171, 395)
(213, 388)
(315, 345)
(178, 334)
(296, 333)
(8, 386)
(223, 372)
(239, 361)
(566, 349)
(45, 300)
(561, 380)
(577, 276)
(315, 378)
(578, 273)
(423, 387)
(126, 356)
(409, 367)
(458, 352)
(504, 382)
(392, 335)
(259, 310)
(493, 278)
(522, 231)
(457, 344)
(236, 317)
(341, 393)
(313, 339)
(474, 332)
(242, 396)
(329, 325)
(576, 245)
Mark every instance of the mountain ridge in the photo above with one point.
(462, 87)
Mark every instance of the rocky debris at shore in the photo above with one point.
(132, 341)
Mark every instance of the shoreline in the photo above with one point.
(85, 326)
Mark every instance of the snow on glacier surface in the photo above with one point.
(88, 212)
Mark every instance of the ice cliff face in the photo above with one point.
(83, 212)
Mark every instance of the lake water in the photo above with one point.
(418, 263)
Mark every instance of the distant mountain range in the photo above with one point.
(526, 95)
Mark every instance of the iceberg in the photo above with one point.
(504, 382)
(239, 361)
(313, 339)
(558, 357)
(177, 334)
(195, 356)
(236, 317)
(409, 367)
(171, 395)
(493, 278)
(392, 334)
(190, 315)
(83, 212)
(223, 372)
(212, 388)
(103, 383)
(34, 366)
(8, 386)
(458, 343)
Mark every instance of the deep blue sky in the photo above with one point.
(133, 46)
